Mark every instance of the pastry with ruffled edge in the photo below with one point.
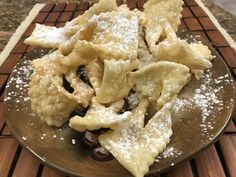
(161, 82)
(99, 116)
(116, 82)
(95, 71)
(163, 42)
(65, 37)
(49, 99)
(136, 146)
(108, 35)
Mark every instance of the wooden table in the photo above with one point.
(219, 160)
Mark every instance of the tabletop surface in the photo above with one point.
(16, 13)
(219, 160)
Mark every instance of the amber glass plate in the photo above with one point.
(202, 112)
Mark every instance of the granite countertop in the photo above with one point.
(13, 12)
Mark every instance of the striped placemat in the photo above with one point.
(219, 160)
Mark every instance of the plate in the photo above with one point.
(201, 114)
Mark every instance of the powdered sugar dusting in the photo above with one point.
(134, 139)
(169, 152)
(133, 100)
(53, 36)
(206, 98)
(121, 27)
(20, 82)
(181, 105)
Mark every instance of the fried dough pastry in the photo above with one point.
(99, 116)
(102, 6)
(52, 106)
(156, 81)
(161, 37)
(156, 14)
(171, 48)
(136, 146)
(205, 52)
(144, 55)
(95, 73)
(48, 97)
(180, 51)
(108, 35)
(158, 10)
(47, 36)
(133, 60)
(116, 82)
(82, 92)
(195, 56)
(52, 37)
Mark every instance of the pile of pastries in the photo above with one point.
(120, 51)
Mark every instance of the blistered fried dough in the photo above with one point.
(102, 6)
(116, 82)
(180, 51)
(50, 63)
(82, 92)
(202, 50)
(68, 46)
(52, 37)
(158, 10)
(95, 73)
(85, 52)
(172, 48)
(80, 22)
(136, 146)
(52, 106)
(205, 52)
(160, 35)
(46, 36)
(49, 99)
(117, 31)
(156, 81)
(155, 13)
(144, 55)
(99, 116)
(108, 35)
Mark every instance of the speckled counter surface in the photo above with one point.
(13, 12)
(226, 19)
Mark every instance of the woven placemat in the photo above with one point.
(219, 160)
